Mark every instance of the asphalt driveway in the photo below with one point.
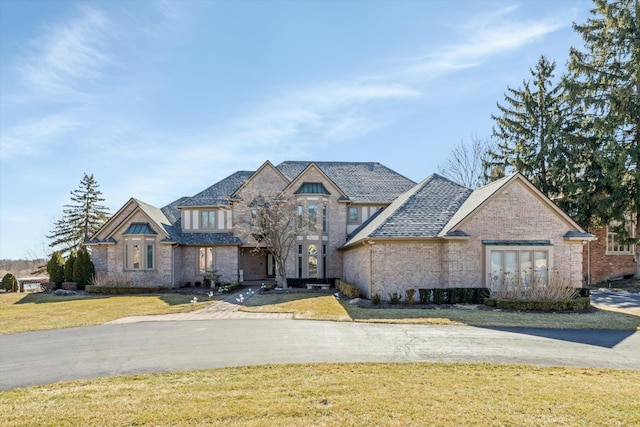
(617, 299)
(44, 357)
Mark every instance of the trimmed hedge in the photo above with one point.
(453, 295)
(351, 291)
(576, 304)
(123, 290)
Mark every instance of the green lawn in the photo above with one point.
(326, 307)
(40, 311)
(392, 394)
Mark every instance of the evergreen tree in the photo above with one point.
(81, 219)
(68, 267)
(83, 268)
(528, 131)
(55, 268)
(604, 85)
(9, 283)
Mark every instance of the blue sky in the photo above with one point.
(160, 99)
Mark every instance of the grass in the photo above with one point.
(338, 395)
(310, 306)
(303, 306)
(41, 311)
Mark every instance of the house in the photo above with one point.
(367, 224)
(607, 258)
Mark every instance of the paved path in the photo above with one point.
(44, 357)
(224, 309)
(617, 299)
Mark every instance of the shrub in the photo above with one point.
(68, 267)
(83, 268)
(121, 290)
(55, 268)
(111, 280)
(376, 299)
(9, 283)
(69, 286)
(395, 298)
(425, 295)
(197, 284)
(351, 291)
(228, 288)
(409, 296)
(576, 304)
(439, 296)
(268, 286)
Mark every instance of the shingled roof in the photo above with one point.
(361, 181)
(220, 192)
(421, 212)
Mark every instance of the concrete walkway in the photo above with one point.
(224, 309)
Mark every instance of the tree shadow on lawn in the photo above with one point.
(47, 298)
(596, 337)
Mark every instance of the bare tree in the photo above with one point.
(272, 223)
(465, 164)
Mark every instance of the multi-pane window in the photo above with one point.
(300, 261)
(208, 220)
(324, 260)
(615, 245)
(139, 253)
(512, 267)
(353, 214)
(206, 260)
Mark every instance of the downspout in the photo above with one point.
(371, 243)
(588, 262)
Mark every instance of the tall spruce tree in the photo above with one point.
(604, 82)
(81, 219)
(528, 131)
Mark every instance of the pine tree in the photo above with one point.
(83, 268)
(68, 267)
(81, 219)
(528, 131)
(604, 83)
(55, 268)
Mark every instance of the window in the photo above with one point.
(518, 265)
(324, 219)
(353, 214)
(615, 246)
(324, 260)
(300, 213)
(139, 253)
(300, 261)
(208, 220)
(312, 261)
(313, 217)
(206, 260)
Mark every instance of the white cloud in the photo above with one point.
(69, 55)
(30, 138)
(485, 36)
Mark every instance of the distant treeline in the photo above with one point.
(22, 267)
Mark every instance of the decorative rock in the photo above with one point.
(64, 293)
(355, 301)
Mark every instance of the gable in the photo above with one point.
(266, 180)
(520, 192)
(133, 212)
(313, 174)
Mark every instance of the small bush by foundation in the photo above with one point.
(123, 290)
(351, 291)
(576, 304)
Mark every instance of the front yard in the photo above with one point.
(353, 394)
(41, 311)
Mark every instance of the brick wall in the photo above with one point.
(602, 266)
(515, 213)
